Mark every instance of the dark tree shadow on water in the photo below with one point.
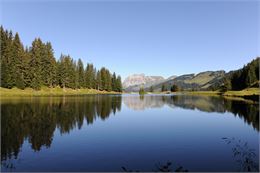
(8, 165)
(244, 156)
(167, 167)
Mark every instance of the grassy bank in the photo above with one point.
(49, 92)
(245, 92)
(242, 93)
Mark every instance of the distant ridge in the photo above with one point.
(200, 81)
(135, 81)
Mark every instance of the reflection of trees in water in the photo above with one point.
(245, 110)
(36, 119)
(244, 156)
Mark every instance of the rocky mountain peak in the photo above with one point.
(140, 79)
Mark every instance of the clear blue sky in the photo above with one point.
(156, 38)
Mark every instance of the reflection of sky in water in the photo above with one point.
(140, 139)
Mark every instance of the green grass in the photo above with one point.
(207, 93)
(245, 92)
(201, 79)
(45, 91)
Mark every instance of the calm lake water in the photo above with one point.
(108, 132)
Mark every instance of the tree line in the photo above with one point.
(248, 76)
(36, 119)
(36, 66)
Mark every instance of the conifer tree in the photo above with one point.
(48, 65)
(89, 76)
(18, 62)
(114, 82)
(98, 81)
(35, 64)
(251, 76)
(119, 87)
(109, 82)
(163, 88)
(7, 64)
(4, 58)
(81, 76)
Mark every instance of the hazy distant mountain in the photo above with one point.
(134, 82)
(171, 77)
(201, 81)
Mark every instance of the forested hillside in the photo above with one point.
(248, 76)
(201, 81)
(36, 66)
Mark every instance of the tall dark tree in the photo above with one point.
(7, 61)
(81, 75)
(35, 63)
(18, 62)
(27, 72)
(89, 76)
(119, 87)
(174, 88)
(98, 81)
(36, 67)
(66, 72)
(245, 77)
(48, 64)
(114, 82)
(251, 75)
(163, 88)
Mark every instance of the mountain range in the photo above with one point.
(245, 77)
(134, 82)
(201, 81)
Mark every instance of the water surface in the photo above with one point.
(108, 132)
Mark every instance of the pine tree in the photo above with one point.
(163, 88)
(98, 81)
(251, 76)
(35, 64)
(119, 87)
(27, 72)
(94, 78)
(4, 56)
(18, 62)
(90, 76)
(7, 64)
(103, 79)
(81, 75)
(109, 82)
(174, 88)
(70, 72)
(62, 72)
(226, 86)
(114, 82)
(48, 65)
(75, 77)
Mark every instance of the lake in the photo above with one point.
(129, 132)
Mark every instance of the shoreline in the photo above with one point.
(28, 92)
(252, 94)
(68, 91)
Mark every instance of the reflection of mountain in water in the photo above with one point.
(248, 111)
(36, 119)
(137, 102)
